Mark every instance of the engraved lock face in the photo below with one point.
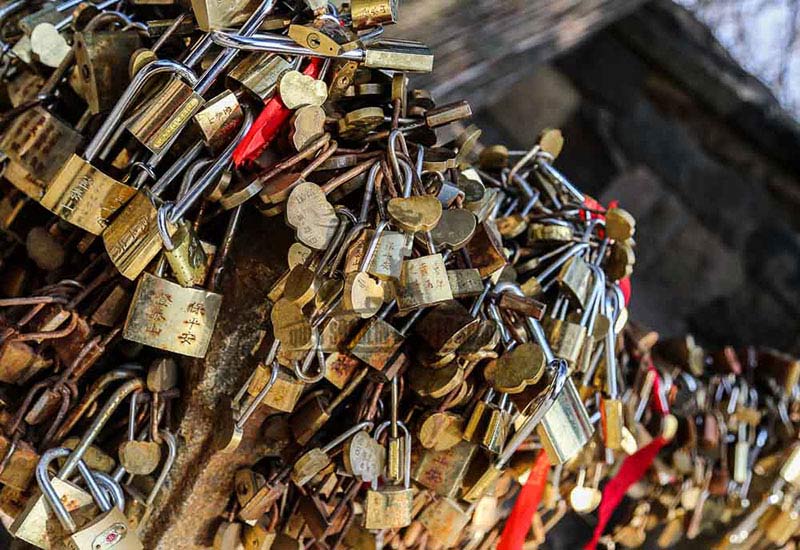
(423, 282)
(311, 215)
(388, 508)
(566, 428)
(371, 13)
(102, 61)
(443, 472)
(445, 520)
(132, 241)
(166, 115)
(364, 457)
(84, 196)
(168, 316)
(219, 120)
(40, 144)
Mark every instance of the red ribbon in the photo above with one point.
(519, 522)
(625, 287)
(268, 124)
(632, 469)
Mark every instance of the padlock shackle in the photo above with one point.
(365, 426)
(226, 56)
(138, 82)
(113, 488)
(533, 325)
(100, 420)
(406, 451)
(90, 397)
(540, 406)
(369, 190)
(369, 253)
(177, 167)
(587, 319)
(276, 43)
(256, 401)
(300, 369)
(172, 453)
(544, 164)
(52, 497)
(209, 177)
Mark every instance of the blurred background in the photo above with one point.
(659, 112)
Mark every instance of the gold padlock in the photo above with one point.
(566, 428)
(391, 507)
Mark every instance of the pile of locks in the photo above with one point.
(452, 315)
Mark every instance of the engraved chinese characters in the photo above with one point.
(170, 317)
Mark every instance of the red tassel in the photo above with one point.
(631, 471)
(519, 522)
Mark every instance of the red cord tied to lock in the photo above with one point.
(266, 127)
(637, 464)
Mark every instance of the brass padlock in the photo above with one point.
(566, 428)
(81, 193)
(102, 61)
(32, 523)
(167, 316)
(443, 472)
(38, 144)
(391, 507)
(445, 520)
(423, 282)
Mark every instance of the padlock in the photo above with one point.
(108, 530)
(137, 235)
(391, 507)
(139, 509)
(259, 73)
(370, 13)
(445, 520)
(534, 414)
(31, 525)
(81, 193)
(444, 471)
(378, 343)
(314, 461)
(101, 58)
(315, 413)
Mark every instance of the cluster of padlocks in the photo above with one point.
(450, 338)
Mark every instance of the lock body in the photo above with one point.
(565, 428)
